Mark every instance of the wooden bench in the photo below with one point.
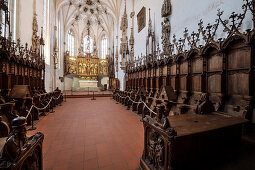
(188, 140)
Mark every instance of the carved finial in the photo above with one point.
(236, 21)
(150, 23)
(233, 17)
(125, 7)
(185, 33)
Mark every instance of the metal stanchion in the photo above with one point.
(65, 95)
(32, 127)
(93, 97)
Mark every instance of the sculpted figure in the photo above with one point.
(162, 120)
(14, 146)
(151, 147)
(159, 153)
(166, 8)
(166, 35)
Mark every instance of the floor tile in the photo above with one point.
(82, 134)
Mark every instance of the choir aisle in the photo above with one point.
(86, 134)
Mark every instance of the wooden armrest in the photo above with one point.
(187, 106)
(172, 102)
(28, 98)
(6, 104)
(10, 103)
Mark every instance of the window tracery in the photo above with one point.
(104, 47)
(70, 42)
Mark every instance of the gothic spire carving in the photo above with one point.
(124, 39)
(166, 28)
(150, 23)
(35, 38)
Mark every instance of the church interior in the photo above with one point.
(127, 84)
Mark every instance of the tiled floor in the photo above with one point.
(91, 135)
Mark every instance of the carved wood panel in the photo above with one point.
(239, 58)
(214, 83)
(197, 65)
(173, 69)
(184, 68)
(196, 83)
(183, 83)
(238, 84)
(157, 71)
(173, 82)
(214, 63)
(165, 70)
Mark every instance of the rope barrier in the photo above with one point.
(224, 115)
(33, 106)
(45, 106)
(57, 97)
(29, 112)
(138, 103)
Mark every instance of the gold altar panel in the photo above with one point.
(86, 66)
(103, 67)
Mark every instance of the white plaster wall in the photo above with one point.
(25, 13)
(68, 83)
(185, 13)
(49, 71)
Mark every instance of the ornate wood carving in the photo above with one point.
(124, 40)
(214, 68)
(215, 80)
(20, 151)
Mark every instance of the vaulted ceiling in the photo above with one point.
(100, 15)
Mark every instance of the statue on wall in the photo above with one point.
(124, 39)
(35, 38)
(166, 36)
(166, 27)
(166, 8)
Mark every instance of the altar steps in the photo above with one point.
(88, 96)
(83, 94)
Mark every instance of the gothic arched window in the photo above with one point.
(70, 42)
(12, 8)
(88, 45)
(104, 47)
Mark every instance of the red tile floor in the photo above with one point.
(91, 135)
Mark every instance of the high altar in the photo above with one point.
(87, 69)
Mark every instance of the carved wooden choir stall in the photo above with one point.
(193, 104)
(22, 97)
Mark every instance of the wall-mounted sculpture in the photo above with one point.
(35, 38)
(124, 40)
(166, 8)
(166, 36)
(132, 40)
(166, 28)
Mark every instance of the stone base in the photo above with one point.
(88, 83)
